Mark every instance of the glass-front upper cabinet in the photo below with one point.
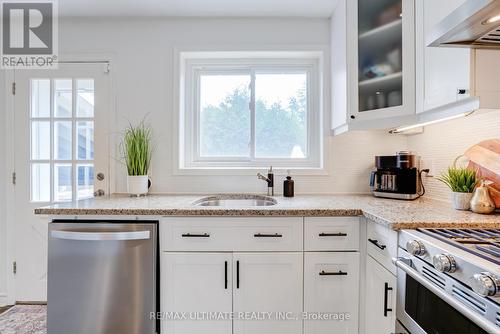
(373, 43)
(380, 54)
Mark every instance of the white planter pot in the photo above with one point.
(137, 185)
(461, 201)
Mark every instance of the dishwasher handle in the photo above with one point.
(101, 236)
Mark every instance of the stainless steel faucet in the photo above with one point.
(269, 179)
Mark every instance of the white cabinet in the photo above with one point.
(196, 282)
(331, 285)
(380, 303)
(373, 64)
(441, 72)
(268, 282)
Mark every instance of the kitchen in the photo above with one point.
(315, 89)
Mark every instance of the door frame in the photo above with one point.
(10, 215)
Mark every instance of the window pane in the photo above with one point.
(62, 140)
(281, 115)
(40, 140)
(40, 182)
(62, 182)
(85, 181)
(224, 115)
(63, 98)
(85, 140)
(85, 98)
(40, 98)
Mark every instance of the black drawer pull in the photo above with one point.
(190, 235)
(387, 288)
(335, 273)
(263, 235)
(340, 234)
(375, 242)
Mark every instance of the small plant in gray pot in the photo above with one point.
(462, 182)
(137, 152)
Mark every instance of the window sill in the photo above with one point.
(225, 171)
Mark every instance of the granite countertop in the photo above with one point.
(392, 213)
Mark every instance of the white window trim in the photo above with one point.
(191, 64)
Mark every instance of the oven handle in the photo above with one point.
(473, 316)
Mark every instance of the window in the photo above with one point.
(250, 112)
(62, 139)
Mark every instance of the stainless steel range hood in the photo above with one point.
(475, 24)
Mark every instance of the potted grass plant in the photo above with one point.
(137, 151)
(462, 182)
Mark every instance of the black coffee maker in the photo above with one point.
(397, 176)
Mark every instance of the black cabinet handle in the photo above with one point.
(375, 242)
(225, 275)
(263, 235)
(191, 235)
(387, 288)
(340, 234)
(237, 274)
(335, 273)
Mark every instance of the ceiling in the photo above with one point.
(196, 8)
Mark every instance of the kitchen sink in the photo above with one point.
(236, 200)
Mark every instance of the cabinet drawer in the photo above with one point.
(331, 285)
(331, 233)
(231, 234)
(382, 244)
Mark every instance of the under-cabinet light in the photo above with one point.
(419, 125)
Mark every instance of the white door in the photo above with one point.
(331, 289)
(272, 283)
(60, 145)
(193, 283)
(380, 312)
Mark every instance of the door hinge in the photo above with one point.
(14, 267)
(14, 178)
(13, 88)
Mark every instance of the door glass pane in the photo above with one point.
(224, 115)
(40, 98)
(281, 115)
(380, 54)
(85, 181)
(85, 98)
(62, 140)
(62, 183)
(40, 140)
(85, 140)
(40, 182)
(63, 99)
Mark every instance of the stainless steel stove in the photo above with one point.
(449, 281)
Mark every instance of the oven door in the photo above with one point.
(424, 306)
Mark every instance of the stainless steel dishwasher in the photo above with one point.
(102, 277)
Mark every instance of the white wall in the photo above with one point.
(441, 143)
(143, 71)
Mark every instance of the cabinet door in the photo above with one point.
(196, 282)
(445, 70)
(385, 59)
(269, 284)
(380, 298)
(331, 288)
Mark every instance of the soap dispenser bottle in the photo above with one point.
(288, 186)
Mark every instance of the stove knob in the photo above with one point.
(444, 263)
(415, 247)
(485, 284)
